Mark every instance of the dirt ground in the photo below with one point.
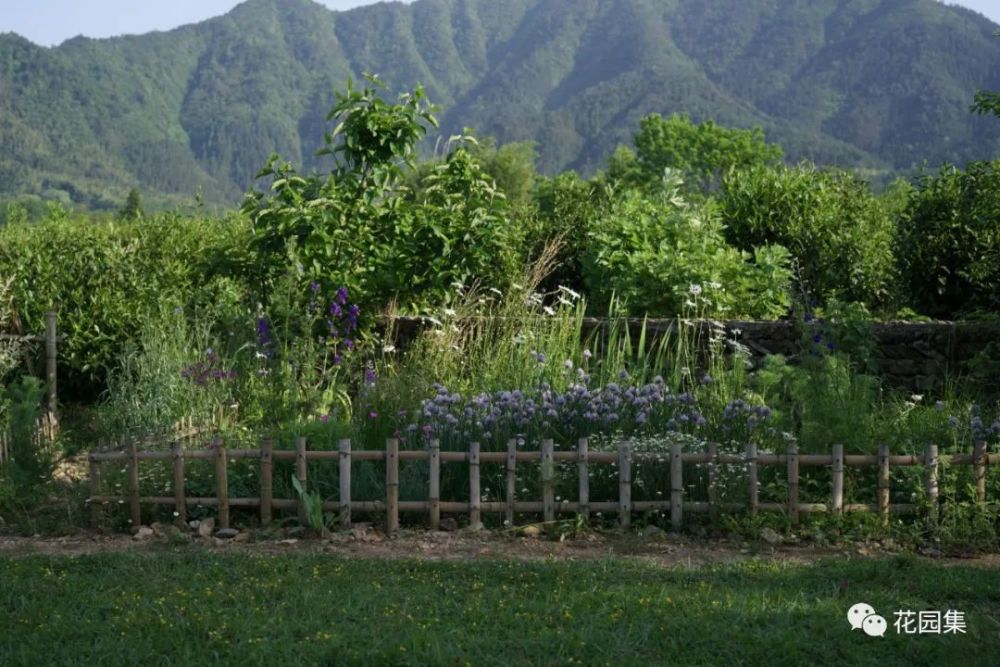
(662, 549)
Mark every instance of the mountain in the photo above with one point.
(883, 85)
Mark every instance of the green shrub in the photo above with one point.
(651, 253)
(839, 233)
(105, 278)
(949, 241)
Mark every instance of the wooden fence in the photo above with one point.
(677, 505)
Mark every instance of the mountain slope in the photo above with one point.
(882, 84)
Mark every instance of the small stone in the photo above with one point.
(242, 537)
(193, 524)
(143, 533)
(769, 536)
(449, 524)
(289, 542)
(359, 533)
(226, 533)
(531, 531)
(156, 527)
(206, 527)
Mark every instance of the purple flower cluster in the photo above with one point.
(208, 369)
(575, 412)
(739, 412)
(341, 323)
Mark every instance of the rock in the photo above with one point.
(143, 533)
(193, 524)
(226, 533)
(449, 524)
(289, 543)
(531, 531)
(205, 527)
(242, 537)
(652, 531)
(359, 533)
(769, 536)
(157, 528)
(438, 535)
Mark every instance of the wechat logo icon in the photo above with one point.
(862, 616)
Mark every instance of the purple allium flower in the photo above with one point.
(372, 415)
(707, 379)
(939, 406)
(953, 421)
(818, 338)
(324, 418)
(370, 376)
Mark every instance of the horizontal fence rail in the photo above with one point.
(547, 457)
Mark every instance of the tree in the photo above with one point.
(987, 101)
(702, 152)
(132, 210)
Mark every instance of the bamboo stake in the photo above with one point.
(180, 506)
(582, 453)
(51, 356)
(266, 480)
(392, 484)
(624, 484)
(713, 481)
(979, 461)
(302, 474)
(548, 473)
(475, 494)
(883, 482)
(222, 482)
(752, 476)
(133, 486)
(931, 462)
(676, 487)
(344, 459)
(837, 506)
(434, 494)
(792, 454)
(511, 481)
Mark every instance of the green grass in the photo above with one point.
(191, 608)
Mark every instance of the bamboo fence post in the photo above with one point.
(548, 473)
(883, 482)
(837, 506)
(752, 477)
(434, 494)
(135, 511)
(931, 462)
(624, 484)
(266, 480)
(979, 461)
(96, 511)
(511, 480)
(713, 481)
(51, 374)
(344, 462)
(180, 506)
(222, 481)
(582, 453)
(475, 494)
(676, 487)
(392, 485)
(302, 474)
(792, 457)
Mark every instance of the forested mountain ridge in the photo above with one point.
(880, 84)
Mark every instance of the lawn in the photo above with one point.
(190, 607)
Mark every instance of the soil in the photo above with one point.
(662, 549)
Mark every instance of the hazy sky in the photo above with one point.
(49, 22)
